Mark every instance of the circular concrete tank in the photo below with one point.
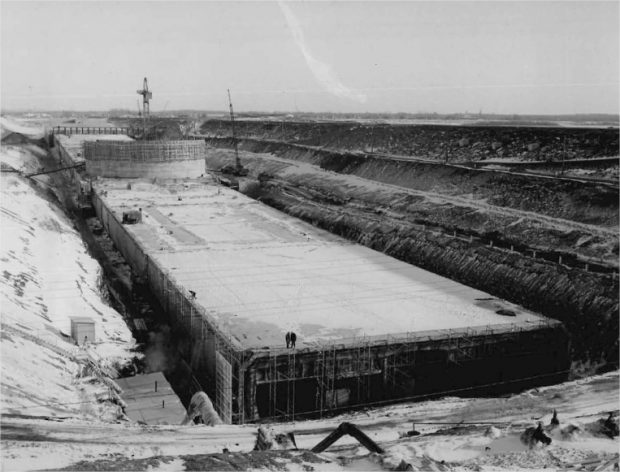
(161, 159)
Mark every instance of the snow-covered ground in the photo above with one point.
(490, 443)
(46, 278)
(13, 126)
(51, 417)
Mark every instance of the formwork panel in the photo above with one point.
(223, 388)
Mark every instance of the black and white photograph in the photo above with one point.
(309, 235)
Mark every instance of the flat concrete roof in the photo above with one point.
(260, 273)
(150, 406)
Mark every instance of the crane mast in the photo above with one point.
(234, 135)
(146, 98)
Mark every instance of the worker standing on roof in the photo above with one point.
(290, 340)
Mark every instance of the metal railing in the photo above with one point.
(69, 130)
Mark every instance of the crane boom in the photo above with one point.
(234, 136)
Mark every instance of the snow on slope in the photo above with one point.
(47, 277)
(11, 126)
(22, 158)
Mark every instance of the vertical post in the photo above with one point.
(321, 383)
(156, 385)
(191, 319)
(275, 384)
(241, 393)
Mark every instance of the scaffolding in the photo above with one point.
(356, 374)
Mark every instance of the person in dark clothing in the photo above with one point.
(290, 340)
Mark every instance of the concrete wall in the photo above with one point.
(190, 169)
(66, 160)
(458, 363)
(161, 159)
(204, 340)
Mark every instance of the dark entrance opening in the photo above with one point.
(303, 391)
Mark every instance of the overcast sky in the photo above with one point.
(495, 56)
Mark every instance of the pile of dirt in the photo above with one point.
(584, 202)
(157, 127)
(437, 142)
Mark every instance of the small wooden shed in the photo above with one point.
(82, 329)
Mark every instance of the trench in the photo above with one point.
(158, 340)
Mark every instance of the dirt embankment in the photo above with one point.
(447, 223)
(588, 203)
(437, 142)
(157, 127)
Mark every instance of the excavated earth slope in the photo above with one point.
(435, 142)
(550, 245)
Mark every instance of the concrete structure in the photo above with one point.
(236, 275)
(71, 147)
(82, 329)
(70, 150)
(151, 400)
(143, 159)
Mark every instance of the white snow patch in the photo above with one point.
(47, 277)
(7, 125)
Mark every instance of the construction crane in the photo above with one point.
(232, 121)
(146, 97)
(238, 169)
